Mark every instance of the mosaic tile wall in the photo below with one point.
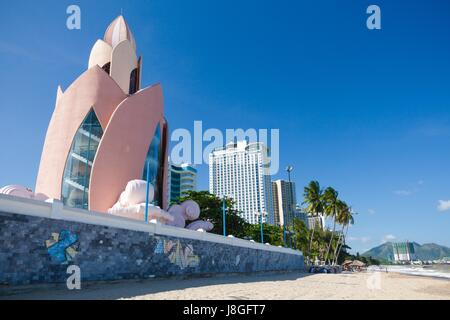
(39, 250)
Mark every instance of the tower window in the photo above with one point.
(77, 173)
(134, 79)
(107, 67)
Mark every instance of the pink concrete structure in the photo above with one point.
(105, 130)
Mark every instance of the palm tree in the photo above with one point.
(340, 219)
(313, 198)
(332, 206)
(345, 219)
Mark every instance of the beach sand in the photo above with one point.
(284, 286)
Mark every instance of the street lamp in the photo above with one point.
(224, 210)
(148, 189)
(289, 169)
(261, 224)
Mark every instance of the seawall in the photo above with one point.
(39, 241)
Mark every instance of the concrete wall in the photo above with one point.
(38, 241)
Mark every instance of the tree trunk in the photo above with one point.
(331, 238)
(339, 252)
(338, 245)
(311, 239)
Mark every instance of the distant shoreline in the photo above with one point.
(416, 271)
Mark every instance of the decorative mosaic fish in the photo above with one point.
(61, 246)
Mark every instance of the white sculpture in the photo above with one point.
(131, 204)
(200, 225)
(191, 210)
(22, 192)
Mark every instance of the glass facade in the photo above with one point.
(75, 184)
(154, 162)
(182, 179)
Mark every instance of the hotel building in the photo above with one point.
(182, 179)
(316, 222)
(239, 171)
(403, 252)
(284, 201)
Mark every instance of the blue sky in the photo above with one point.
(367, 112)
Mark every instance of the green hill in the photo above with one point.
(427, 251)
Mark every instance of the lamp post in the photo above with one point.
(148, 189)
(224, 216)
(289, 169)
(262, 228)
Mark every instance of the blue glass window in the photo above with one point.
(153, 162)
(77, 173)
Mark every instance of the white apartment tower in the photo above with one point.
(239, 171)
(284, 201)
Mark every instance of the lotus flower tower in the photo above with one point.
(106, 130)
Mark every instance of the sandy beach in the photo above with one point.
(286, 286)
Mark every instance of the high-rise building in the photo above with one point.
(182, 178)
(316, 222)
(299, 213)
(239, 171)
(284, 201)
(403, 252)
(106, 130)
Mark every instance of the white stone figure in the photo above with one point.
(22, 192)
(200, 225)
(177, 212)
(135, 193)
(132, 205)
(189, 210)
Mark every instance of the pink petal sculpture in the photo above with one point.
(105, 129)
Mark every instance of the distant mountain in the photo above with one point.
(427, 251)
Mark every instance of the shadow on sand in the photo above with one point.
(133, 288)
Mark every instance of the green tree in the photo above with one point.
(272, 234)
(332, 206)
(211, 210)
(345, 218)
(313, 199)
(301, 234)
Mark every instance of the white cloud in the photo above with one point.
(359, 239)
(443, 205)
(403, 192)
(411, 190)
(388, 238)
